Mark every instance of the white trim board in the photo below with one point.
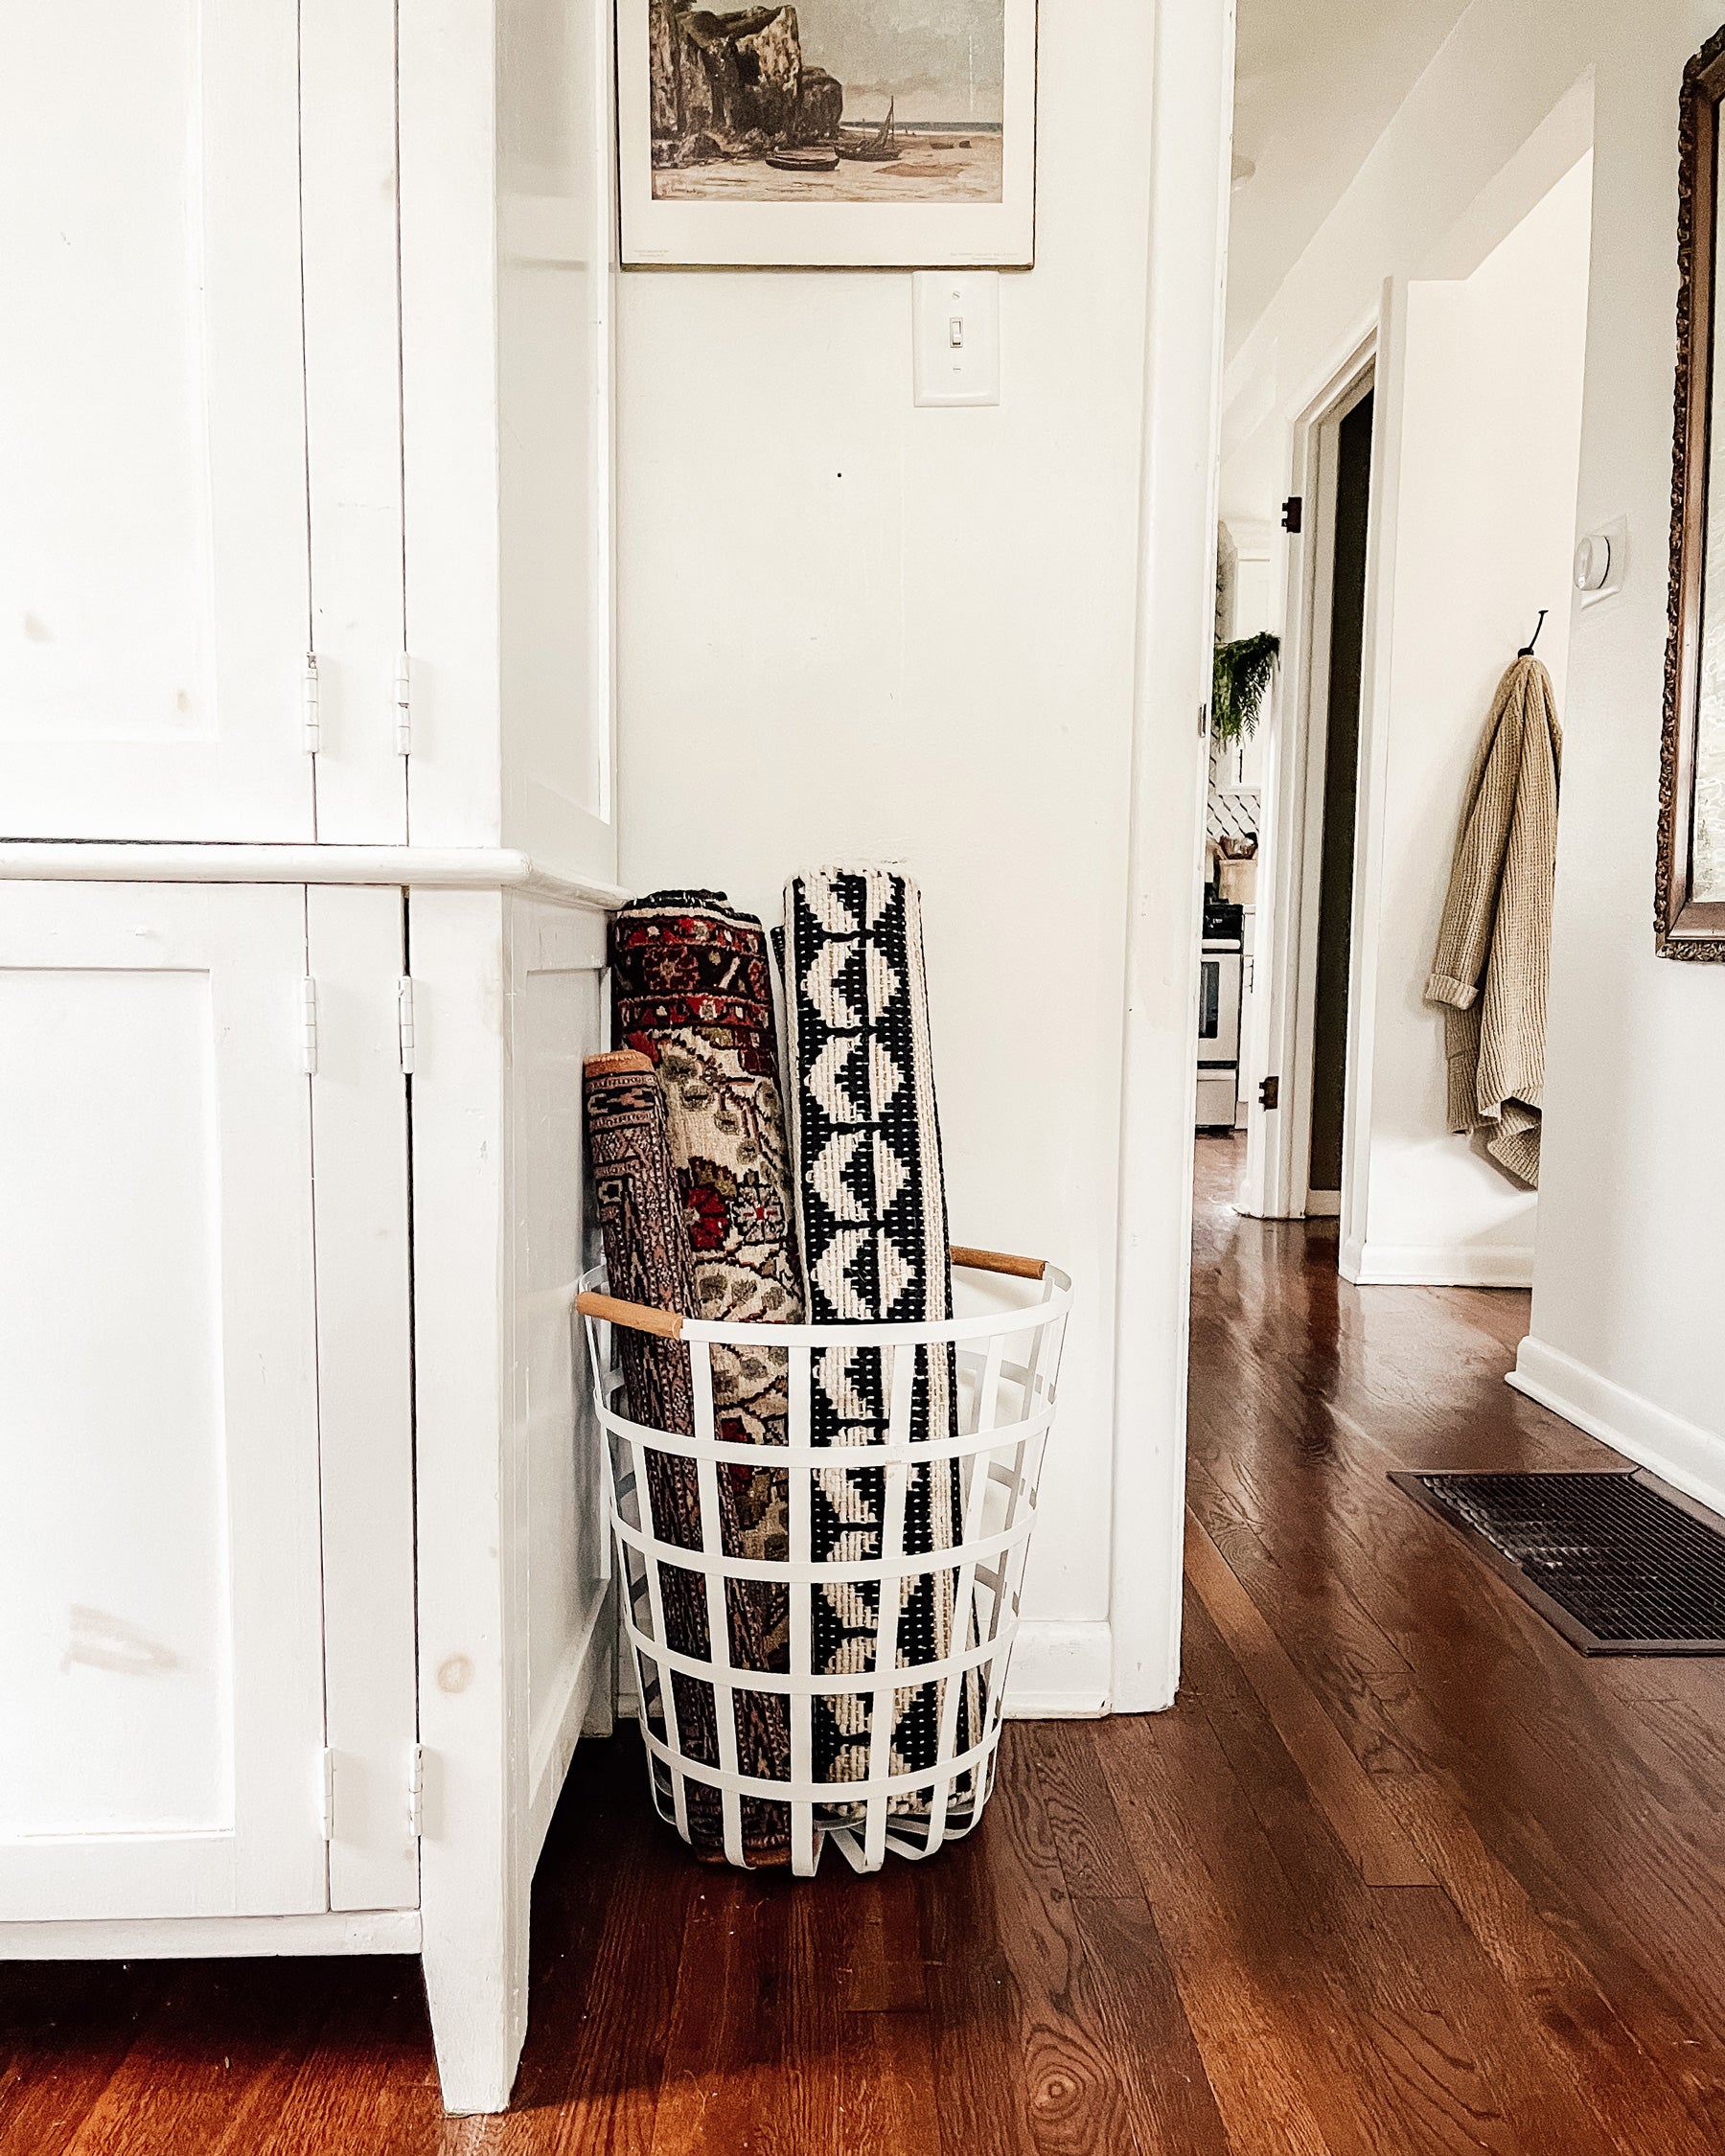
(422, 868)
(1061, 1673)
(1435, 1265)
(1690, 1458)
(1149, 1299)
(566, 1718)
(184, 1939)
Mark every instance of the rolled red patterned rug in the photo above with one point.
(692, 988)
(649, 1261)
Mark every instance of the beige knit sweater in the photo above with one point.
(1494, 948)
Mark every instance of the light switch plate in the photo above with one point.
(956, 334)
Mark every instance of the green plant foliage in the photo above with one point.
(1244, 672)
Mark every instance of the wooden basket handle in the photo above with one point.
(667, 1325)
(999, 1261)
(633, 1317)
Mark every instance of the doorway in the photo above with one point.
(1344, 504)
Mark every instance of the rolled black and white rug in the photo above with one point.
(872, 1221)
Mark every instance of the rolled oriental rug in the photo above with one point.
(871, 1211)
(648, 1260)
(692, 989)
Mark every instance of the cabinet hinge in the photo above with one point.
(308, 1026)
(313, 721)
(416, 1790)
(403, 706)
(1270, 1094)
(404, 1020)
(326, 1768)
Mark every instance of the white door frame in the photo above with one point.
(1278, 1145)
(1191, 159)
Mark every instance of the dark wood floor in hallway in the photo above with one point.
(1401, 1872)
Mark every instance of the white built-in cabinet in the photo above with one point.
(307, 832)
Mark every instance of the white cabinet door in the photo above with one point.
(153, 596)
(161, 1710)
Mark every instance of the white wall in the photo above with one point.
(853, 629)
(1488, 444)
(1629, 1268)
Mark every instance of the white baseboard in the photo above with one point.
(1060, 1674)
(1436, 1265)
(1690, 1458)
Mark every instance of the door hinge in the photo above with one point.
(308, 706)
(327, 1794)
(1270, 1094)
(1294, 514)
(404, 706)
(308, 1026)
(416, 1790)
(405, 1021)
(1203, 720)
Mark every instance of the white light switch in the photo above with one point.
(956, 328)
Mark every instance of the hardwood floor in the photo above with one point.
(1400, 1872)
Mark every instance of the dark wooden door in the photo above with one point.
(1341, 795)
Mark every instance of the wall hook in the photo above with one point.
(1527, 650)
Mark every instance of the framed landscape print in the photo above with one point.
(849, 134)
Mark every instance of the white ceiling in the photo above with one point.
(1317, 81)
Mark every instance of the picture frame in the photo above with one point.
(1690, 895)
(740, 146)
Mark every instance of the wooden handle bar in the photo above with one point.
(663, 1324)
(996, 1261)
(666, 1324)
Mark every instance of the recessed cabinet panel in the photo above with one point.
(159, 1589)
(154, 612)
(110, 1336)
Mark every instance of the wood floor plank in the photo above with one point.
(1550, 1775)
(611, 1907)
(1342, 1790)
(1453, 2060)
(1137, 1999)
(174, 2089)
(1047, 2044)
(66, 2028)
(1372, 1697)
(1252, 1987)
(890, 2096)
(381, 2092)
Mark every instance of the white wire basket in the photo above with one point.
(983, 1467)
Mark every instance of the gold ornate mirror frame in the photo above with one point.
(1691, 898)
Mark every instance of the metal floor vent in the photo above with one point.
(1617, 1563)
